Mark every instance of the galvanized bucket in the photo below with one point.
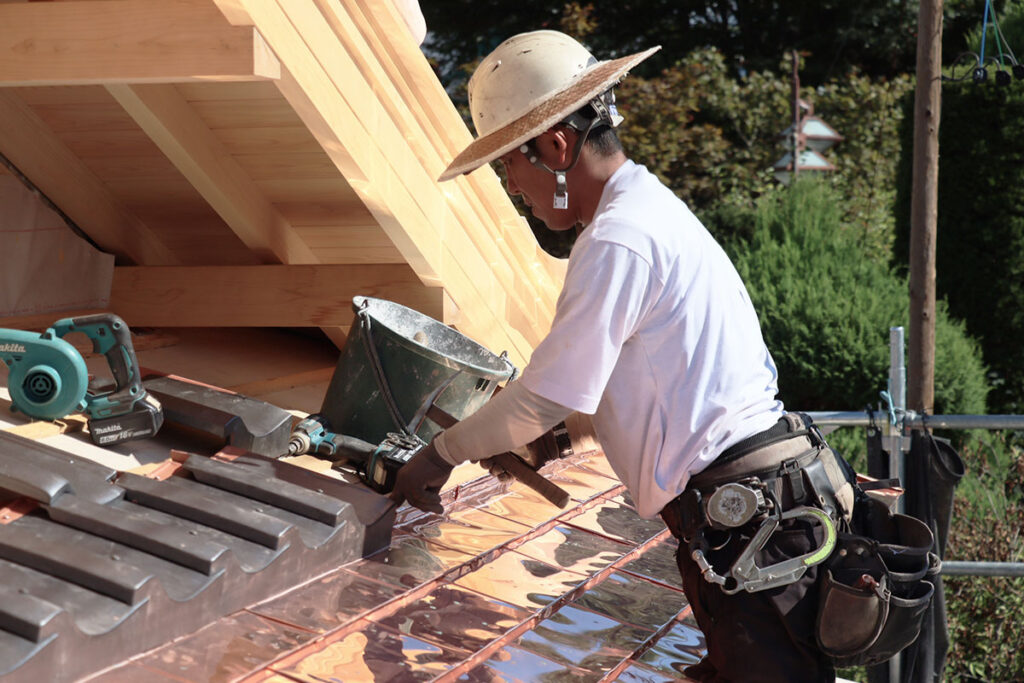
(395, 363)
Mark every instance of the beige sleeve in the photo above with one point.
(514, 417)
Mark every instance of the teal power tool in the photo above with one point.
(48, 379)
(376, 465)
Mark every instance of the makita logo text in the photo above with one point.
(12, 348)
(106, 430)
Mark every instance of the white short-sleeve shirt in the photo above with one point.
(655, 335)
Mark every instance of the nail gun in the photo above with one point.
(48, 379)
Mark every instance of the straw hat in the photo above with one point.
(528, 84)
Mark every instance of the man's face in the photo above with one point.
(537, 187)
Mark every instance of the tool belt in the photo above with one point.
(790, 464)
(874, 590)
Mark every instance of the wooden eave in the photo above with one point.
(257, 163)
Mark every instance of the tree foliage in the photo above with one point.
(826, 310)
(875, 37)
(713, 137)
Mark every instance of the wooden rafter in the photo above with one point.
(136, 41)
(34, 149)
(190, 145)
(262, 296)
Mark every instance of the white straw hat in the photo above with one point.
(529, 83)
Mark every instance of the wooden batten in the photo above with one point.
(183, 137)
(262, 296)
(133, 41)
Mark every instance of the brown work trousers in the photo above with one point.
(762, 637)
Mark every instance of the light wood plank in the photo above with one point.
(408, 204)
(374, 30)
(261, 296)
(175, 128)
(132, 41)
(33, 148)
(397, 138)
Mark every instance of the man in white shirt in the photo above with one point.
(655, 336)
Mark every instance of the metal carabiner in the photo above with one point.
(751, 578)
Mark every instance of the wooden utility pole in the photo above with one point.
(923, 209)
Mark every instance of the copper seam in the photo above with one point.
(392, 605)
(545, 612)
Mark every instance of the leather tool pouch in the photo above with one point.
(875, 589)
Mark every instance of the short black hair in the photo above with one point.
(604, 141)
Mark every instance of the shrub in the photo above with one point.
(826, 309)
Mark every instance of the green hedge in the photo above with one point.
(826, 309)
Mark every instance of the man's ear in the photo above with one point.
(555, 146)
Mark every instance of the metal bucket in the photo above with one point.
(395, 363)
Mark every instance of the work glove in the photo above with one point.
(419, 481)
(545, 448)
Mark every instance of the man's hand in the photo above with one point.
(536, 454)
(419, 481)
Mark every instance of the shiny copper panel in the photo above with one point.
(372, 653)
(615, 519)
(469, 530)
(680, 647)
(329, 602)
(584, 639)
(456, 618)
(134, 673)
(227, 649)
(574, 549)
(409, 562)
(633, 600)
(521, 581)
(638, 673)
(514, 665)
(581, 484)
(597, 462)
(658, 563)
(523, 505)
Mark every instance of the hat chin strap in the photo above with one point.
(561, 198)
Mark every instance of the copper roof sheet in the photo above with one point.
(503, 586)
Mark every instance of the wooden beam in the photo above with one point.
(130, 41)
(262, 296)
(924, 207)
(193, 148)
(340, 109)
(34, 150)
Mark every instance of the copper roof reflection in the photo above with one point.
(658, 564)
(409, 562)
(637, 673)
(584, 639)
(514, 664)
(457, 618)
(680, 647)
(523, 505)
(616, 519)
(633, 600)
(227, 649)
(372, 653)
(503, 586)
(469, 530)
(574, 549)
(521, 580)
(329, 602)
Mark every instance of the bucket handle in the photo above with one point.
(385, 388)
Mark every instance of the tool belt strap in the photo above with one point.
(794, 463)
